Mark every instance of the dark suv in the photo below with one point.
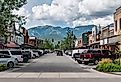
(94, 56)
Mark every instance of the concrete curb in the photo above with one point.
(110, 73)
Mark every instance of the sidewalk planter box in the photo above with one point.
(107, 65)
(3, 67)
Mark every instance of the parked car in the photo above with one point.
(42, 52)
(29, 51)
(59, 53)
(13, 52)
(94, 56)
(26, 55)
(8, 60)
(68, 52)
(35, 53)
(76, 53)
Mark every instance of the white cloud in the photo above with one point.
(95, 6)
(76, 12)
(21, 12)
(103, 21)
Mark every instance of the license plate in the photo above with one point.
(76, 55)
(86, 59)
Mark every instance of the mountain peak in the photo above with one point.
(57, 33)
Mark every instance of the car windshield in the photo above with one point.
(16, 52)
(96, 51)
(106, 52)
(4, 52)
(35, 51)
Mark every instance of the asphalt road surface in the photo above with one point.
(52, 63)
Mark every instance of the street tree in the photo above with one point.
(7, 18)
(69, 40)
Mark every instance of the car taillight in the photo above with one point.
(81, 56)
(89, 56)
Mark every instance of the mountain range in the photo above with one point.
(57, 33)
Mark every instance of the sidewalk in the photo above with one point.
(57, 75)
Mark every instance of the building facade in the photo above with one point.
(104, 38)
(117, 26)
(33, 41)
(85, 39)
(96, 31)
(78, 43)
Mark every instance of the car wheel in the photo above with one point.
(10, 65)
(75, 59)
(25, 60)
(80, 62)
(86, 63)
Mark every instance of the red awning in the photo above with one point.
(12, 45)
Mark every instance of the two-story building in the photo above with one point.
(78, 43)
(106, 33)
(85, 39)
(95, 37)
(33, 41)
(117, 27)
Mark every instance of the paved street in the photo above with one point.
(55, 68)
(52, 63)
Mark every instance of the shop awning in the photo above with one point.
(27, 46)
(12, 45)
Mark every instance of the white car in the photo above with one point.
(31, 52)
(74, 51)
(7, 60)
(68, 52)
(42, 52)
(14, 52)
(35, 53)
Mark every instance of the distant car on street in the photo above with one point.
(68, 52)
(59, 53)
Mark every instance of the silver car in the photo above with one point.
(8, 60)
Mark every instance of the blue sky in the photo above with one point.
(32, 3)
(69, 13)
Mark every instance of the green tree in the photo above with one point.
(47, 44)
(7, 18)
(52, 40)
(68, 42)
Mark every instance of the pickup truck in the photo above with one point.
(94, 56)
